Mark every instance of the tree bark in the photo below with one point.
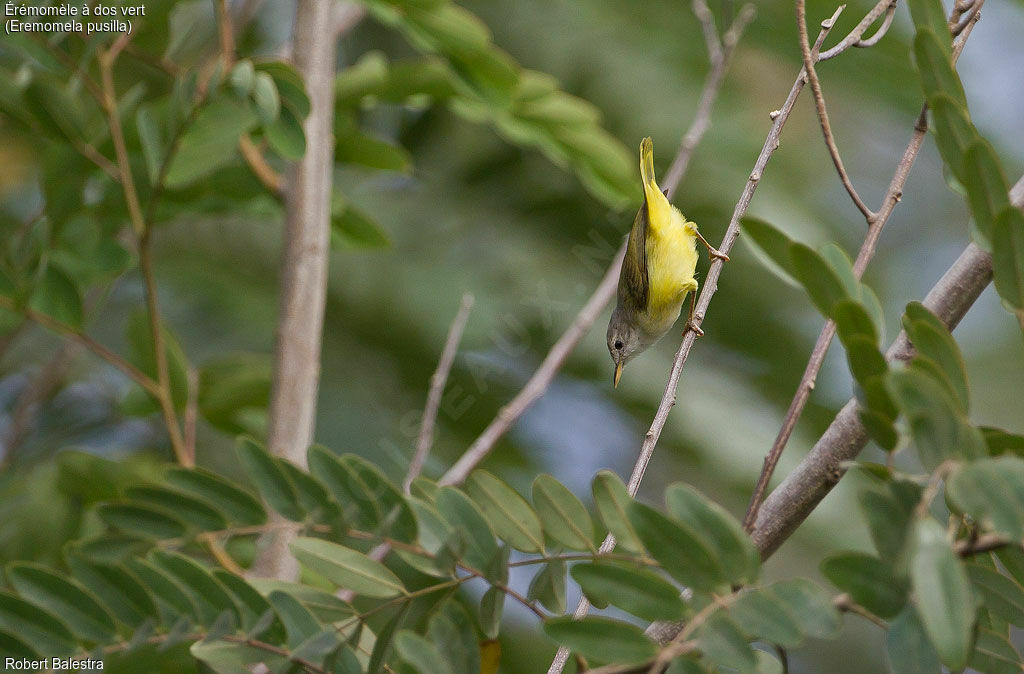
(303, 282)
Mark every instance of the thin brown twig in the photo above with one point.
(133, 373)
(819, 102)
(437, 382)
(605, 291)
(856, 36)
(867, 251)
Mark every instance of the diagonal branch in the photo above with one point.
(828, 331)
(793, 500)
(538, 383)
(437, 382)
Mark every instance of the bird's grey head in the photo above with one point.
(623, 342)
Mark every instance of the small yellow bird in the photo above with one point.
(657, 272)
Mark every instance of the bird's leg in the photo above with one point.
(690, 325)
(712, 251)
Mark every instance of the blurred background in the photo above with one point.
(478, 214)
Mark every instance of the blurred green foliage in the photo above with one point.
(489, 154)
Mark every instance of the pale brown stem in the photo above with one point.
(303, 283)
(437, 382)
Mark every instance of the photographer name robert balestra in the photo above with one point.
(52, 664)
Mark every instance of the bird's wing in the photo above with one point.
(635, 281)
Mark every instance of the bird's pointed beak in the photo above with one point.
(618, 374)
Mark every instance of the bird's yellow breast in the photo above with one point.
(671, 262)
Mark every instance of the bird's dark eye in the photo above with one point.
(618, 344)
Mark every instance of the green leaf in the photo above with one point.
(907, 645)
(142, 353)
(864, 358)
(385, 640)
(285, 133)
(290, 85)
(930, 15)
(994, 654)
(508, 513)
(395, 518)
(270, 479)
(601, 638)
(146, 521)
(76, 607)
(938, 430)
(240, 506)
(311, 494)
(34, 627)
(986, 187)
(1002, 595)
(771, 246)
(299, 623)
(492, 604)
(612, 501)
(210, 598)
(1001, 442)
(678, 548)
(935, 68)
(118, 590)
(150, 140)
(242, 78)
(888, 517)
(880, 428)
(171, 600)
(564, 517)
(12, 646)
(233, 386)
(992, 492)
(211, 141)
(810, 605)
(821, 281)
(324, 606)
(938, 344)
(869, 300)
(194, 511)
(723, 643)
(317, 646)
(954, 132)
(419, 653)
(347, 568)
(1008, 257)
(868, 580)
(639, 591)
(223, 657)
(452, 632)
(58, 113)
(253, 608)
(719, 530)
(840, 262)
(761, 616)
(268, 102)
(548, 586)
(358, 148)
(853, 320)
(352, 227)
(943, 594)
(459, 511)
(57, 296)
(364, 77)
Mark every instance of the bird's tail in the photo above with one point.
(658, 208)
(647, 165)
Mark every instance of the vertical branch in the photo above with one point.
(164, 398)
(303, 291)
